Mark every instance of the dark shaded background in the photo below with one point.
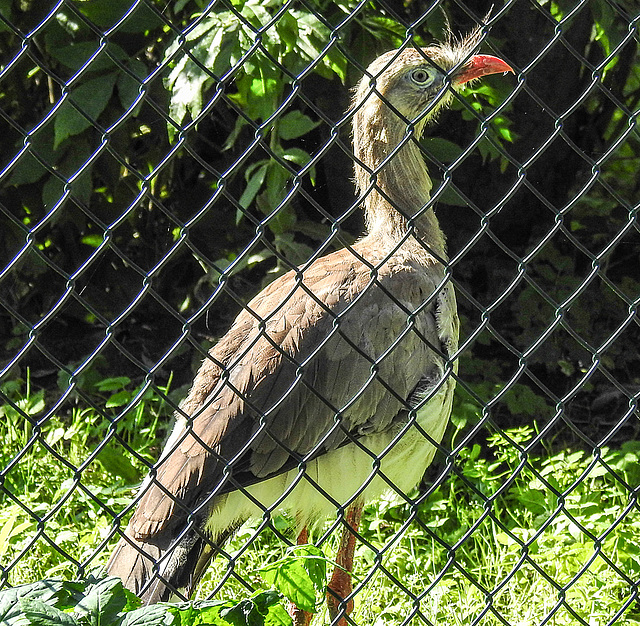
(545, 311)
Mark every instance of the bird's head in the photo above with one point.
(400, 92)
(414, 83)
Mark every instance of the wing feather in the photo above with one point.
(269, 392)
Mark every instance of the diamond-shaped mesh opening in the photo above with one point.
(163, 163)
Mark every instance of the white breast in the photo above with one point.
(335, 479)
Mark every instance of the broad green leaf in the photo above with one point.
(534, 500)
(129, 87)
(442, 149)
(117, 464)
(505, 133)
(43, 590)
(228, 52)
(218, 43)
(94, 240)
(179, 5)
(265, 91)
(133, 601)
(118, 399)
(254, 183)
(116, 382)
(154, 615)
(91, 97)
(256, 15)
(300, 157)
(242, 614)
(449, 195)
(187, 81)
(313, 34)
(312, 39)
(295, 124)
(185, 87)
(385, 29)
(258, 610)
(11, 612)
(40, 614)
(81, 187)
(287, 29)
(265, 599)
(269, 604)
(315, 230)
(102, 602)
(214, 22)
(297, 156)
(77, 54)
(196, 613)
(28, 169)
(258, 97)
(296, 252)
(263, 87)
(106, 13)
(276, 189)
(278, 616)
(301, 577)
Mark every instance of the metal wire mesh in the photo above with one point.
(164, 161)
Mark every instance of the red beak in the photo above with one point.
(480, 65)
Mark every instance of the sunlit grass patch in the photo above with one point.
(510, 536)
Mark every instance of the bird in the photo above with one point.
(335, 383)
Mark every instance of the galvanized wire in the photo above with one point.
(142, 182)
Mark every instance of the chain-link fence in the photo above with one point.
(164, 161)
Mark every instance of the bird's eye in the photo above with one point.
(421, 76)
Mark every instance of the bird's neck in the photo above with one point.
(396, 189)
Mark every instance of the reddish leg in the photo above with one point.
(340, 586)
(300, 617)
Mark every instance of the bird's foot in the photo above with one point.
(338, 589)
(341, 586)
(298, 616)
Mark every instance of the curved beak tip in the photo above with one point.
(481, 65)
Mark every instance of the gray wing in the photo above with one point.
(333, 359)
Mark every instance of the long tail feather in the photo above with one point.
(161, 569)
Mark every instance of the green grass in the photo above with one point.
(549, 535)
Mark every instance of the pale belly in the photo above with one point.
(383, 462)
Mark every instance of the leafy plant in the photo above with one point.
(264, 49)
(512, 517)
(300, 577)
(511, 509)
(36, 488)
(123, 226)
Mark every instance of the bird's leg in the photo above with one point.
(300, 617)
(340, 586)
